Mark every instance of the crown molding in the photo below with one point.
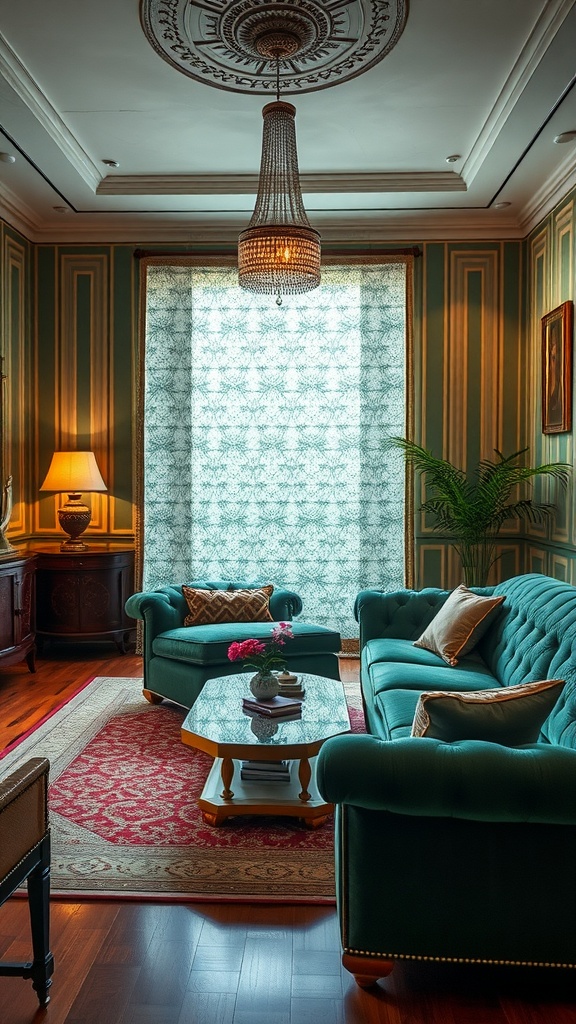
(550, 21)
(402, 228)
(19, 216)
(38, 104)
(247, 184)
(546, 198)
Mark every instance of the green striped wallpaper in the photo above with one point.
(70, 330)
(471, 367)
(550, 280)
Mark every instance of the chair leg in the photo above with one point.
(42, 966)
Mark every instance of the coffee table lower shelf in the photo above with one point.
(298, 798)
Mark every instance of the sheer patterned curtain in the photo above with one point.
(263, 429)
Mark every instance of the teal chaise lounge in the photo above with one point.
(178, 659)
(458, 850)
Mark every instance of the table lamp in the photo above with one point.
(73, 473)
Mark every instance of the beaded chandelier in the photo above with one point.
(279, 252)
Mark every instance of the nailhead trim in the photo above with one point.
(454, 959)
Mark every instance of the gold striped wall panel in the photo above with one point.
(538, 304)
(83, 409)
(560, 567)
(90, 373)
(551, 281)
(560, 448)
(473, 323)
(537, 560)
(81, 415)
(16, 353)
(563, 254)
(471, 369)
(431, 564)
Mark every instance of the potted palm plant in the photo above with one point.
(472, 509)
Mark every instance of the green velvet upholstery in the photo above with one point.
(460, 850)
(179, 659)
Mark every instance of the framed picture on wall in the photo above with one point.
(557, 327)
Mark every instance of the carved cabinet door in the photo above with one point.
(17, 605)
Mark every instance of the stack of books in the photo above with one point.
(290, 685)
(276, 707)
(265, 771)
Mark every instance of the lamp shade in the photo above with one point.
(73, 472)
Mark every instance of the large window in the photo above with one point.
(263, 434)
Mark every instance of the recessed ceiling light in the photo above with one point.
(452, 159)
(501, 206)
(7, 158)
(565, 137)
(111, 163)
(61, 209)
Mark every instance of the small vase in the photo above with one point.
(264, 687)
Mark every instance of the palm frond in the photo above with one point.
(472, 509)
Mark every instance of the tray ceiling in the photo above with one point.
(450, 134)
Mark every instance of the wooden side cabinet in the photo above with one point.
(81, 595)
(17, 607)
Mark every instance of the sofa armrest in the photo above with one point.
(471, 779)
(160, 612)
(156, 609)
(285, 605)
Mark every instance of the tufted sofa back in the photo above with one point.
(534, 637)
(404, 613)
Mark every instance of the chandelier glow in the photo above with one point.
(279, 252)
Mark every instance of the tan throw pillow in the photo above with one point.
(207, 607)
(510, 715)
(458, 626)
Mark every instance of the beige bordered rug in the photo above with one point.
(124, 818)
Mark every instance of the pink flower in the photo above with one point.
(283, 629)
(234, 652)
(256, 654)
(245, 649)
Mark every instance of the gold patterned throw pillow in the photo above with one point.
(207, 607)
(459, 624)
(509, 715)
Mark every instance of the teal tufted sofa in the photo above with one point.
(462, 851)
(178, 659)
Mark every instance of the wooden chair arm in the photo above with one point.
(23, 812)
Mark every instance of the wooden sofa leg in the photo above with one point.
(153, 698)
(366, 970)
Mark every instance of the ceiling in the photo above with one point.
(489, 82)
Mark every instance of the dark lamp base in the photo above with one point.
(73, 545)
(74, 518)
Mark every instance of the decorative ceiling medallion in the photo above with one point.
(222, 42)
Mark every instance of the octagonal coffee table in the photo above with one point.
(217, 725)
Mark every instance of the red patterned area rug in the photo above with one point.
(124, 815)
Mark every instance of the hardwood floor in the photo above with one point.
(218, 963)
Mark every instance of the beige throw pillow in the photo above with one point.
(207, 607)
(510, 715)
(458, 626)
